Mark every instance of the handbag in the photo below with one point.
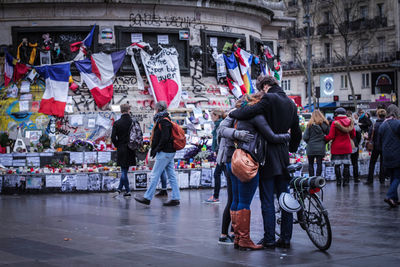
(370, 142)
(244, 167)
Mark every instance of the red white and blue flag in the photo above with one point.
(87, 42)
(105, 66)
(93, 71)
(56, 93)
(8, 69)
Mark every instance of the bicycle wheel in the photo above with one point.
(316, 222)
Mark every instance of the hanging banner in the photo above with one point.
(326, 83)
(162, 71)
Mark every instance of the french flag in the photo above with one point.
(8, 69)
(87, 42)
(56, 93)
(90, 69)
(234, 71)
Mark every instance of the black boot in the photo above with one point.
(162, 193)
(346, 174)
(338, 175)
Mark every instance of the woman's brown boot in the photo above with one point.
(243, 225)
(234, 226)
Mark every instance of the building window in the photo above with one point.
(286, 85)
(293, 54)
(343, 81)
(381, 47)
(327, 17)
(379, 8)
(328, 52)
(365, 80)
(363, 12)
(347, 14)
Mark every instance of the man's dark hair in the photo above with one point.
(263, 80)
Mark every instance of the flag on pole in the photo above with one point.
(105, 66)
(245, 60)
(56, 93)
(8, 69)
(102, 92)
(234, 71)
(87, 42)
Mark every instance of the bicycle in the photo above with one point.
(311, 214)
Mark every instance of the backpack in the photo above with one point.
(178, 135)
(135, 136)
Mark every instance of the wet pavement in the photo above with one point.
(95, 229)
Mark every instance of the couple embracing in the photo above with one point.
(271, 115)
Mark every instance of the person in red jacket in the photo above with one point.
(341, 133)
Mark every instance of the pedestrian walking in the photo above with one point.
(163, 150)
(356, 147)
(227, 135)
(376, 149)
(317, 128)
(389, 140)
(341, 133)
(217, 115)
(126, 157)
(281, 114)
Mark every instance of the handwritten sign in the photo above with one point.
(140, 180)
(76, 157)
(53, 181)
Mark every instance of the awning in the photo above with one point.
(323, 105)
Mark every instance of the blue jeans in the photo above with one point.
(164, 162)
(123, 181)
(269, 185)
(242, 193)
(395, 181)
(164, 178)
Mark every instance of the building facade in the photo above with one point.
(371, 30)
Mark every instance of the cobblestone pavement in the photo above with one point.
(95, 229)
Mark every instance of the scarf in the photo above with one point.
(33, 53)
(160, 115)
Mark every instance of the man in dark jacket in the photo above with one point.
(281, 114)
(376, 151)
(163, 149)
(125, 156)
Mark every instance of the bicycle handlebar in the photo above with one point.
(309, 182)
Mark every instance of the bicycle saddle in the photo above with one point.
(294, 167)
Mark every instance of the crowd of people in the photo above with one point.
(261, 131)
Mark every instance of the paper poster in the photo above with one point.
(183, 179)
(12, 91)
(103, 157)
(25, 87)
(109, 183)
(140, 180)
(23, 106)
(90, 157)
(19, 163)
(197, 112)
(76, 120)
(223, 90)
(162, 39)
(46, 154)
(12, 181)
(25, 97)
(68, 183)
(136, 37)
(94, 182)
(91, 123)
(213, 41)
(76, 157)
(33, 161)
(104, 122)
(34, 182)
(116, 108)
(194, 180)
(206, 177)
(81, 181)
(6, 160)
(53, 180)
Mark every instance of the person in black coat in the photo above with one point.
(162, 148)
(376, 151)
(125, 156)
(281, 114)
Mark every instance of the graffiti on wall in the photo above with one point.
(154, 20)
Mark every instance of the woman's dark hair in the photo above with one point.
(263, 80)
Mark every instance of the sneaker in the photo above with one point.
(115, 194)
(212, 200)
(142, 200)
(162, 193)
(128, 194)
(172, 202)
(225, 240)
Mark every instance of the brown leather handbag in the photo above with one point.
(244, 167)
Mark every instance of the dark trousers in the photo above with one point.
(269, 185)
(123, 181)
(346, 173)
(311, 165)
(226, 217)
(242, 193)
(374, 158)
(354, 162)
(395, 181)
(217, 179)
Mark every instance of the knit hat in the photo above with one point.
(262, 80)
(340, 111)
